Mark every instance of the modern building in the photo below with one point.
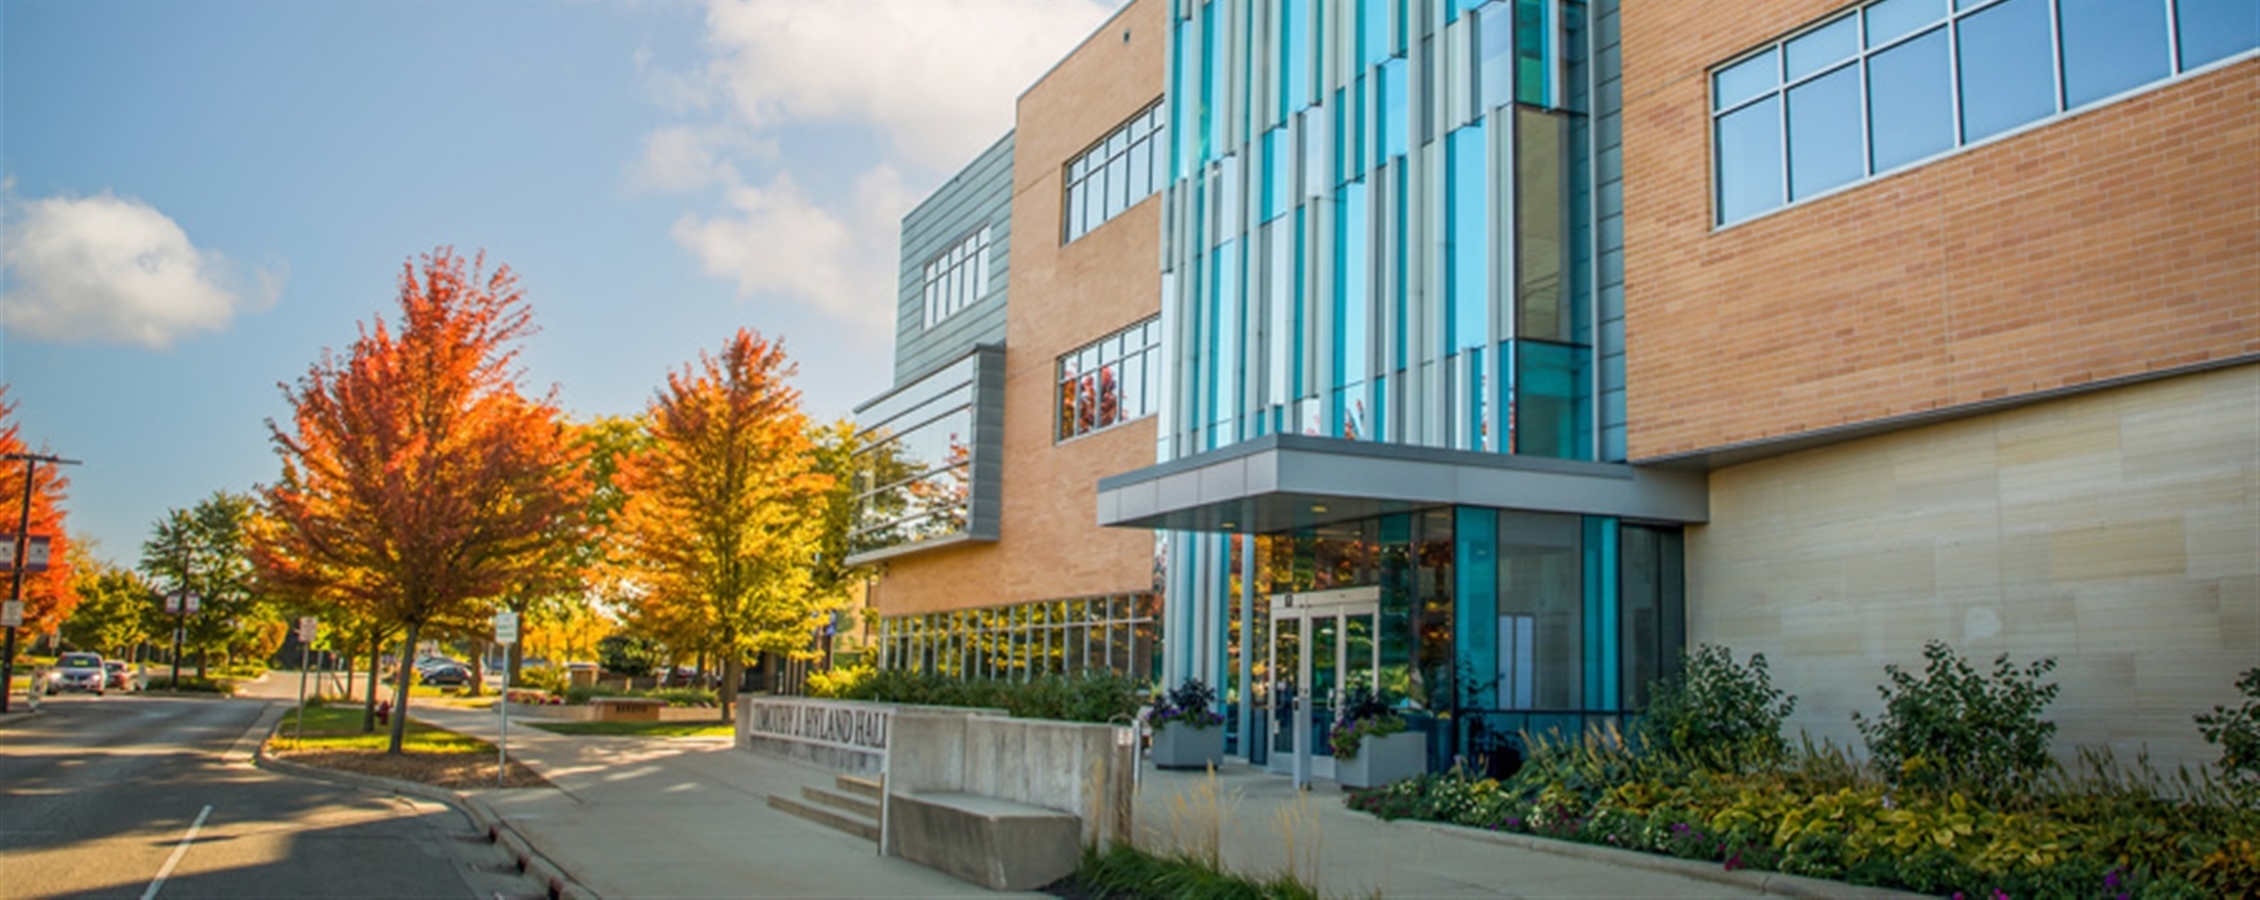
(1493, 354)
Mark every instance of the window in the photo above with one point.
(1898, 81)
(1112, 380)
(1117, 172)
(914, 474)
(1083, 636)
(958, 277)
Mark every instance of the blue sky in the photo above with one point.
(201, 196)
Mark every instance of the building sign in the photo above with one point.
(855, 727)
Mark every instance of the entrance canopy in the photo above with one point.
(1281, 482)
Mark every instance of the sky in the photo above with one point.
(198, 197)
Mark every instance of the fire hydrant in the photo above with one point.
(384, 712)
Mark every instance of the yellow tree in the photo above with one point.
(418, 483)
(723, 511)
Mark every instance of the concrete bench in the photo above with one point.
(627, 709)
(997, 844)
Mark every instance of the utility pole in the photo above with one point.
(180, 612)
(21, 561)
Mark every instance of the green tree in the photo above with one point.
(114, 610)
(204, 550)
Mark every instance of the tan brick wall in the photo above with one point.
(1061, 297)
(2116, 531)
(2120, 241)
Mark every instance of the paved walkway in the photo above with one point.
(688, 817)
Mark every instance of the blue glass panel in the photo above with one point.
(1749, 160)
(1476, 602)
(1352, 306)
(1211, 88)
(1533, 65)
(1373, 33)
(1466, 243)
(1393, 124)
(1229, 301)
(2216, 29)
(2008, 75)
(1745, 79)
(1910, 101)
(1550, 410)
(1603, 620)
(1275, 190)
(1824, 133)
(1494, 54)
(1822, 47)
(1294, 52)
(1892, 19)
(2111, 46)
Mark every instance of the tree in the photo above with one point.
(114, 611)
(204, 550)
(48, 596)
(840, 455)
(724, 511)
(419, 484)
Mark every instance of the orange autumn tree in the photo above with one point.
(724, 512)
(48, 596)
(419, 485)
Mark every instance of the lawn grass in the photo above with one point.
(640, 729)
(339, 728)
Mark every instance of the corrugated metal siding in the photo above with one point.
(980, 194)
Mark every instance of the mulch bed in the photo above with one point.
(447, 770)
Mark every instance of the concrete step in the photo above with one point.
(861, 806)
(868, 787)
(827, 817)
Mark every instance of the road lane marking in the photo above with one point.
(178, 852)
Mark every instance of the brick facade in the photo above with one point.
(2120, 241)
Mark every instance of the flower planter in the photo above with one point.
(1381, 760)
(1181, 746)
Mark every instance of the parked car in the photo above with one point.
(446, 675)
(121, 675)
(78, 672)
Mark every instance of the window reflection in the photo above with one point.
(1116, 173)
(1112, 634)
(1106, 382)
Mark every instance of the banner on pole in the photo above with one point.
(174, 600)
(11, 613)
(35, 556)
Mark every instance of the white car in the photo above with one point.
(78, 672)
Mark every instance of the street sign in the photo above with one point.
(173, 603)
(35, 559)
(307, 627)
(506, 627)
(11, 614)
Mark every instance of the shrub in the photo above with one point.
(192, 684)
(1364, 715)
(627, 654)
(838, 681)
(1092, 697)
(684, 696)
(1718, 713)
(543, 678)
(1190, 703)
(2237, 732)
(1955, 728)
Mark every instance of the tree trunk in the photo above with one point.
(728, 695)
(401, 680)
(369, 703)
(479, 670)
(514, 660)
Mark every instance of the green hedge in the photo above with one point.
(1077, 698)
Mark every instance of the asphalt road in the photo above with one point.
(99, 798)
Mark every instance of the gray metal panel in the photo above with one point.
(1281, 482)
(980, 194)
(1608, 114)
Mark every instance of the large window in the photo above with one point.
(1898, 81)
(914, 473)
(958, 277)
(1115, 634)
(1110, 381)
(1117, 172)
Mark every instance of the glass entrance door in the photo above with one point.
(1322, 644)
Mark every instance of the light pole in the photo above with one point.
(20, 562)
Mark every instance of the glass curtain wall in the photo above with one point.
(1112, 634)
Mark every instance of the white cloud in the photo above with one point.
(113, 269)
(776, 238)
(939, 80)
(932, 83)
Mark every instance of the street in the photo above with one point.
(126, 796)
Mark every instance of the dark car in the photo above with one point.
(446, 675)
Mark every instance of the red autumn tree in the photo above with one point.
(419, 485)
(725, 510)
(48, 596)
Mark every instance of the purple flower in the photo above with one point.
(1734, 862)
(1679, 828)
(1999, 894)
(2111, 880)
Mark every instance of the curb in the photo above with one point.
(561, 884)
(1771, 883)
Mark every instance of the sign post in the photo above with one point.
(180, 604)
(24, 554)
(306, 629)
(505, 634)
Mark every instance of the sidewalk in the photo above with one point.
(688, 817)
